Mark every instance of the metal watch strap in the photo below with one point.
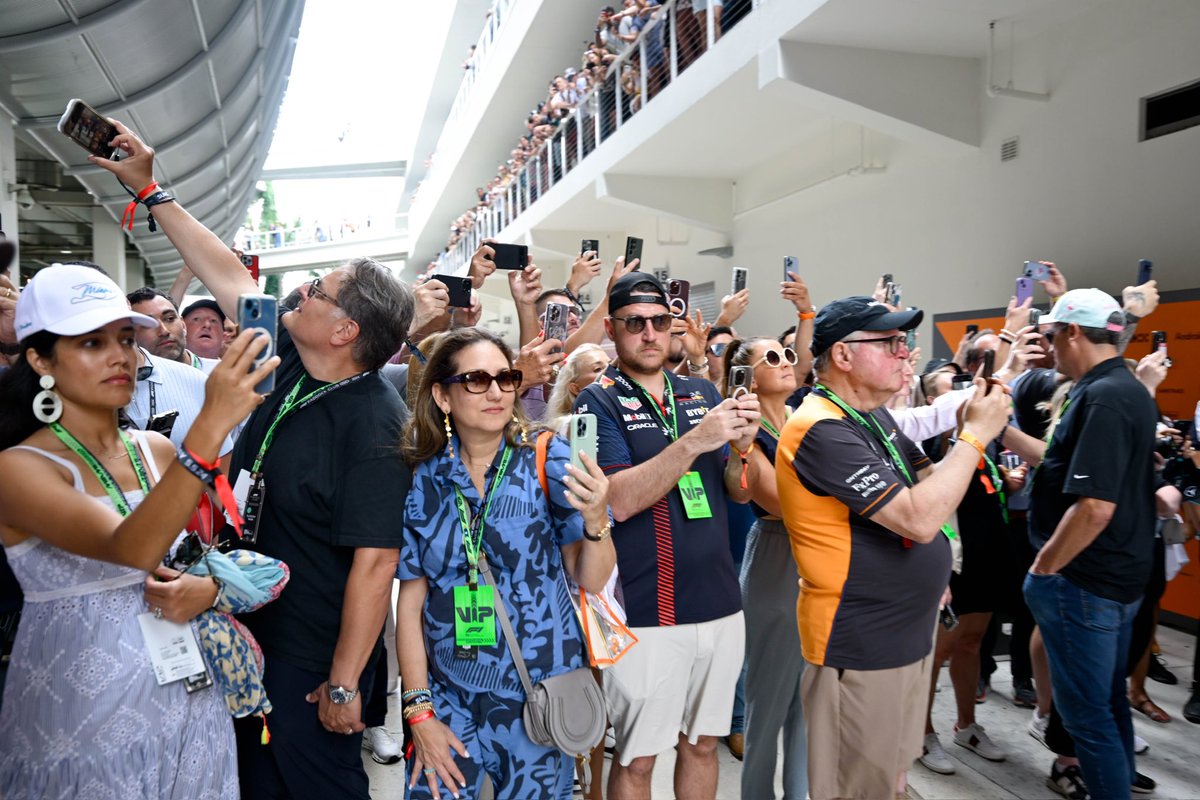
(485, 571)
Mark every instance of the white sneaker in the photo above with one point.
(934, 756)
(384, 749)
(1140, 745)
(1037, 727)
(975, 738)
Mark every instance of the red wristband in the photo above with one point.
(149, 190)
(424, 715)
(224, 491)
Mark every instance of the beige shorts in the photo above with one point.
(676, 679)
(864, 727)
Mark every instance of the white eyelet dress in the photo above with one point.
(82, 715)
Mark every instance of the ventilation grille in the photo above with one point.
(1010, 149)
(704, 297)
(1170, 111)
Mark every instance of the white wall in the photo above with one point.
(1083, 192)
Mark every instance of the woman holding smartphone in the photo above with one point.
(475, 495)
(86, 511)
(770, 589)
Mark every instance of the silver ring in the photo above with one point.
(430, 771)
(349, 731)
(157, 612)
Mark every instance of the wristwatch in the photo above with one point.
(340, 695)
(604, 533)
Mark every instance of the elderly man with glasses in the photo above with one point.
(866, 513)
(674, 450)
(316, 472)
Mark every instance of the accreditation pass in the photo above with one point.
(173, 650)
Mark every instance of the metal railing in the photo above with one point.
(300, 235)
(668, 44)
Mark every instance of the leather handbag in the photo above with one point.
(566, 711)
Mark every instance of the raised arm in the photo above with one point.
(208, 257)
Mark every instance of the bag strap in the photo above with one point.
(485, 570)
(543, 445)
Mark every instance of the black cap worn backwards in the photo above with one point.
(623, 293)
(837, 320)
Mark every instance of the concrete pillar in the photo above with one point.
(108, 249)
(8, 176)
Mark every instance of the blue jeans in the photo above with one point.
(1087, 642)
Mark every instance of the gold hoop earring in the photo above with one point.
(449, 434)
(47, 405)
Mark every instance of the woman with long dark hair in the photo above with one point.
(85, 714)
(476, 495)
(770, 589)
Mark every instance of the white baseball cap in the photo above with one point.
(1088, 308)
(71, 299)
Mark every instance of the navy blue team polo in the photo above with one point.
(673, 570)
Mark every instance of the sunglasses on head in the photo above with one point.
(635, 324)
(478, 381)
(774, 358)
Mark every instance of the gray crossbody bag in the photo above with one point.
(565, 712)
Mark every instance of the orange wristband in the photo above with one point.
(973, 440)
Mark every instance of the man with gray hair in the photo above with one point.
(317, 473)
(866, 513)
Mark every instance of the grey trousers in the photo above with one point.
(773, 665)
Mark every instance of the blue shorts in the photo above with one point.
(491, 729)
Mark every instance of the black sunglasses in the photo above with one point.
(633, 324)
(478, 381)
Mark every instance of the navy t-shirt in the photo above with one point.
(1102, 448)
(674, 570)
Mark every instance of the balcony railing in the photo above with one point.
(670, 43)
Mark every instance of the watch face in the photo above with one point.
(341, 696)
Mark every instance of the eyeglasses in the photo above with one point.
(661, 323)
(718, 349)
(478, 381)
(775, 357)
(315, 290)
(894, 343)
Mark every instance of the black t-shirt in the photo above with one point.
(1102, 448)
(334, 481)
(766, 441)
(674, 570)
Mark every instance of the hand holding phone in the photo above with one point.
(84, 126)
(1037, 270)
(510, 256)
(678, 294)
(259, 311)
(1145, 270)
(555, 324)
(1024, 289)
(740, 276)
(458, 289)
(633, 250)
(590, 246)
(791, 268)
(739, 382)
(581, 433)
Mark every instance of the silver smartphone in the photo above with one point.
(581, 433)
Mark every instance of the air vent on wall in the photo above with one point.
(1010, 148)
(1170, 111)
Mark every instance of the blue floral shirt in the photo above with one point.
(521, 539)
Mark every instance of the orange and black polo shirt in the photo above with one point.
(868, 597)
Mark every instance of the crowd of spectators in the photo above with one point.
(404, 441)
(590, 90)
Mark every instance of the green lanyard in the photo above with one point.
(876, 430)
(770, 428)
(103, 475)
(473, 528)
(291, 405)
(668, 420)
(998, 484)
(196, 362)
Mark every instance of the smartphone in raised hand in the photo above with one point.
(510, 256)
(590, 246)
(740, 276)
(84, 126)
(458, 288)
(791, 267)
(1024, 289)
(1145, 270)
(633, 249)
(259, 311)
(739, 381)
(555, 325)
(678, 294)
